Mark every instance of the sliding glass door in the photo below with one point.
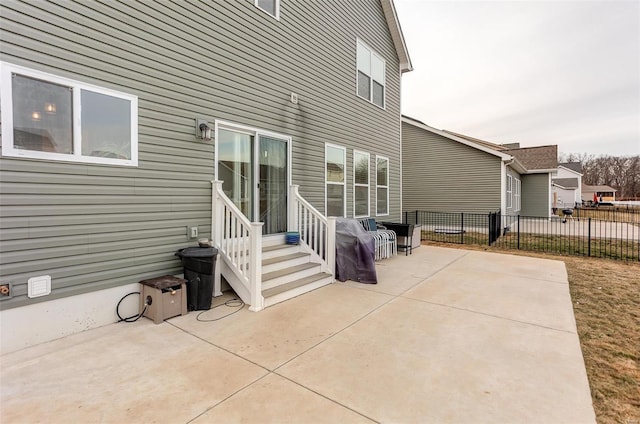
(255, 175)
(235, 168)
(273, 184)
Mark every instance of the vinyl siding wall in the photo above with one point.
(93, 227)
(535, 195)
(566, 198)
(569, 197)
(443, 175)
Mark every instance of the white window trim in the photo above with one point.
(368, 185)
(254, 132)
(517, 195)
(383, 186)
(6, 98)
(509, 191)
(277, 7)
(344, 183)
(384, 83)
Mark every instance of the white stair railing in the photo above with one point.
(317, 233)
(240, 244)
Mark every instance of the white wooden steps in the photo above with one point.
(288, 272)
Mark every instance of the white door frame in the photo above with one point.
(256, 133)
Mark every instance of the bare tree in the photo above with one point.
(619, 172)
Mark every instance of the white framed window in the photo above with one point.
(361, 184)
(335, 176)
(516, 196)
(49, 117)
(370, 75)
(509, 191)
(272, 7)
(382, 185)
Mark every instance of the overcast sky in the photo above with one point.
(534, 72)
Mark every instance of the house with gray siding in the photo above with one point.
(444, 171)
(541, 164)
(132, 129)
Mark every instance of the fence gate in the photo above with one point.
(494, 226)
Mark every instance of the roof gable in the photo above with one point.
(596, 188)
(478, 141)
(396, 35)
(536, 158)
(569, 183)
(572, 166)
(461, 140)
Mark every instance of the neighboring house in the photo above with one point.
(444, 171)
(567, 185)
(448, 172)
(117, 116)
(541, 163)
(598, 193)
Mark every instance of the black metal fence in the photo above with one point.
(589, 237)
(618, 213)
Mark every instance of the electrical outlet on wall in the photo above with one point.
(193, 232)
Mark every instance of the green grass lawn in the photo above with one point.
(619, 249)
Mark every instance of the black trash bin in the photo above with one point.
(199, 264)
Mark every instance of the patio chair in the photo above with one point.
(386, 240)
(405, 231)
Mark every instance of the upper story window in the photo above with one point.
(371, 75)
(272, 7)
(49, 117)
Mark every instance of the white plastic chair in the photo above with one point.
(386, 240)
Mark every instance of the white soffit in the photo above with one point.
(396, 34)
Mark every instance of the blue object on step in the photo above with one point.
(292, 237)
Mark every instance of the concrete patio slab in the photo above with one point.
(508, 296)
(516, 265)
(400, 273)
(447, 336)
(411, 361)
(279, 333)
(129, 373)
(275, 399)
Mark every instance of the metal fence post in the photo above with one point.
(490, 226)
(589, 239)
(461, 227)
(406, 215)
(416, 217)
(518, 232)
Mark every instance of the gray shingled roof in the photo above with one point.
(574, 166)
(597, 188)
(566, 182)
(541, 157)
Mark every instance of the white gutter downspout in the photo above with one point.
(549, 207)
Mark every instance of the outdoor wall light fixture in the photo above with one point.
(203, 129)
